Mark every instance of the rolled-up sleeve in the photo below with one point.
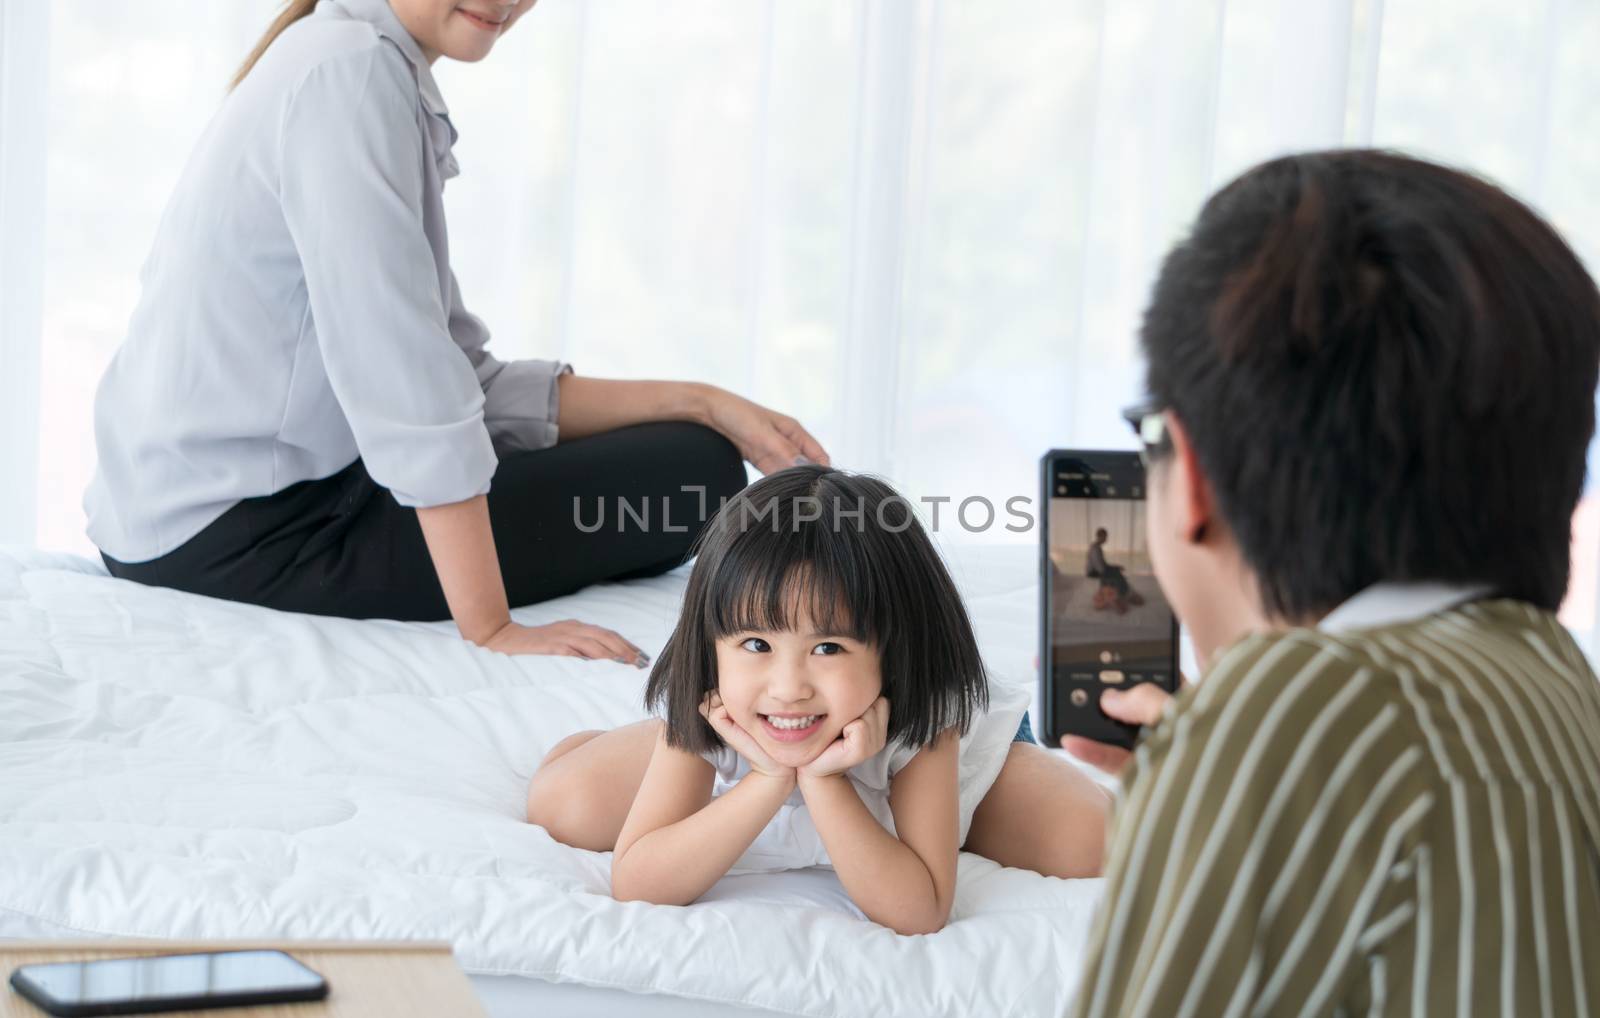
(521, 398)
(352, 180)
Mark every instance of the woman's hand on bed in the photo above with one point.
(770, 440)
(567, 638)
(739, 740)
(861, 740)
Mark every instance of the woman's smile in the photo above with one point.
(480, 21)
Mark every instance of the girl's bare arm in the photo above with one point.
(906, 883)
(678, 840)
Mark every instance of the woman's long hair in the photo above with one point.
(292, 11)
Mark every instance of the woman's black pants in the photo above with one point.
(622, 504)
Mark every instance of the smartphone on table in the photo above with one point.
(1104, 623)
(173, 982)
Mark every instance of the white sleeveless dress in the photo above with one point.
(790, 841)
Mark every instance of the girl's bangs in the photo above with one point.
(769, 582)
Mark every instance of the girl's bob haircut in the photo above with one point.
(849, 549)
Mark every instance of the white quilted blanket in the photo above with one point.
(174, 766)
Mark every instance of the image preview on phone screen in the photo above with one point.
(1109, 623)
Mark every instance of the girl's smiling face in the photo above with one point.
(463, 30)
(794, 691)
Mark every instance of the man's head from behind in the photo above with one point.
(1373, 368)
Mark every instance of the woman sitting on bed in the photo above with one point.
(306, 415)
(824, 703)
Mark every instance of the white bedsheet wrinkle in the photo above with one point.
(181, 767)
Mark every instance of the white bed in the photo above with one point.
(179, 767)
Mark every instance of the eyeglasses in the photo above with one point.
(1149, 421)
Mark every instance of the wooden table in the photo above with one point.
(366, 979)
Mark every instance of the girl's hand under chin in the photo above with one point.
(739, 740)
(861, 740)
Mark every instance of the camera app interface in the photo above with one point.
(1109, 622)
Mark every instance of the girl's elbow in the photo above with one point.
(917, 929)
(649, 896)
(628, 886)
(918, 922)
(624, 887)
(622, 893)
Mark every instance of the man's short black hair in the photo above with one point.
(1387, 371)
(850, 550)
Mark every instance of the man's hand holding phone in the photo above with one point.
(1142, 705)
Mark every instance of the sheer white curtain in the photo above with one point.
(925, 227)
(24, 31)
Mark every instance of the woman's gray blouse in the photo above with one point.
(298, 310)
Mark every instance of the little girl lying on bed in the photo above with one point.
(823, 703)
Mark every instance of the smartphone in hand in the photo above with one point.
(1104, 622)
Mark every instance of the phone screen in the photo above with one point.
(1107, 622)
(171, 978)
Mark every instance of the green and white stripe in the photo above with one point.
(1402, 820)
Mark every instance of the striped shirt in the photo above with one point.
(1399, 820)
